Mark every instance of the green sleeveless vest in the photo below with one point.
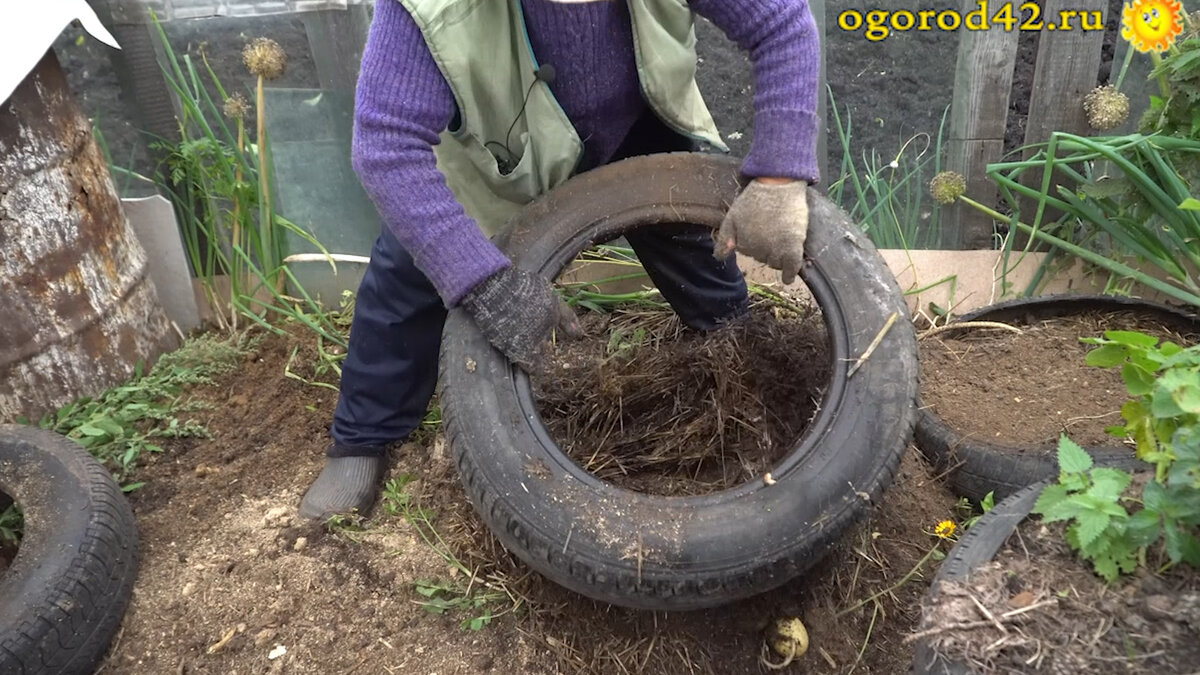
(483, 51)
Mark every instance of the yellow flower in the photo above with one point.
(945, 529)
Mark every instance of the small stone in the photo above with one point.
(263, 637)
(277, 652)
(1022, 599)
(300, 544)
(277, 517)
(188, 589)
(1134, 621)
(1160, 606)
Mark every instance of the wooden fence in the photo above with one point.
(1066, 69)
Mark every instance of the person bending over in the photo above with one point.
(467, 109)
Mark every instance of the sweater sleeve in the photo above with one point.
(781, 39)
(402, 103)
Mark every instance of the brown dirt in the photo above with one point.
(223, 556)
(1022, 391)
(649, 406)
(1145, 623)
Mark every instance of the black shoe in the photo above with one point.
(347, 485)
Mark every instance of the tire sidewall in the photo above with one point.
(67, 589)
(47, 486)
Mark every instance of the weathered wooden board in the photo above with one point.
(978, 115)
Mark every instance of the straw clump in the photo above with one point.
(657, 408)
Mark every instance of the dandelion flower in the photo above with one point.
(945, 529)
(235, 107)
(947, 186)
(1106, 108)
(264, 58)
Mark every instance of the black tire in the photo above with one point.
(979, 545)
(652, 552)
(973, 467)
(65, 594)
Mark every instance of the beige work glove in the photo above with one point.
(767, 222)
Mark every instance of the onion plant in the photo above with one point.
(220, 183)
(887, 199)
(1127, 203)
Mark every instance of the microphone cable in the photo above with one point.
(506, 164)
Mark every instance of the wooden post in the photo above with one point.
(137, 65)
(978, 115)
(336, 38)
(817, 7)
(1068, 62)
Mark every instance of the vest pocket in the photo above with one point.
(520, 184)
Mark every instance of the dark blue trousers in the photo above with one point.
(391, 367)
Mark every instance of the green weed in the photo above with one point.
(120, 425)
(465, 592)
(1163, 418)
(10, 524)
(440, 597)
(622, 341)
(349, 526)
(970, 513)
(123, 423)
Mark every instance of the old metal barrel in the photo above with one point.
(77, 309)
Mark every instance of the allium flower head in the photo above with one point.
(264, 58)
(1106, 108)
(947, 186)
(235, 107)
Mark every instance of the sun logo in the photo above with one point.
(1151, 25)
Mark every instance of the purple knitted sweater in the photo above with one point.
(403, 103)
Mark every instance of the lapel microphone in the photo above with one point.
(508, 162)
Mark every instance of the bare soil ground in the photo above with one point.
(1072, 621)
(229, 578)
(1025, 390)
